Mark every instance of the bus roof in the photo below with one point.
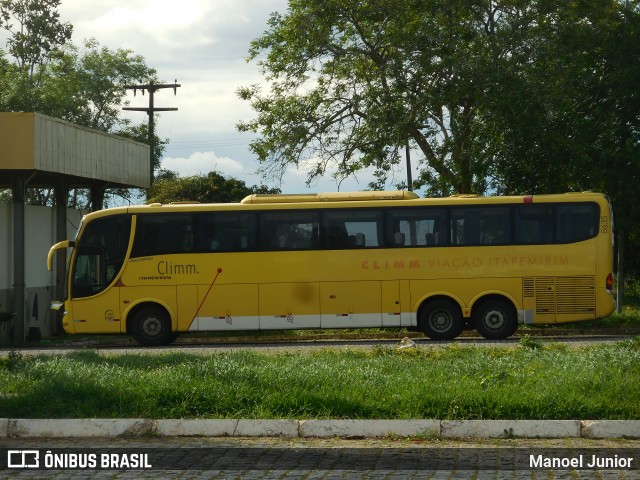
(346, 200)
(330, 197)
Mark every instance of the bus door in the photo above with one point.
(95, 302)
(392, 302)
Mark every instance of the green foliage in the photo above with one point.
(85, 87)
(13, 361)
(352, 82)
(49, 75)
(210, 188)
(601, 382)
(512, 95)
(567, 109)
(632, 344)
(531, 343)
(5, 196)
(35, 31)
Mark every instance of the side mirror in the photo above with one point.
(56, 247)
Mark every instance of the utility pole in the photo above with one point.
(151, 88)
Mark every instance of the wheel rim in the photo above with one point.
(151, 326)
(441, 321)
(494, 320)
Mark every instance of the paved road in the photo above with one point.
(186, 458)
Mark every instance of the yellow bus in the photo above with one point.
(341, 260)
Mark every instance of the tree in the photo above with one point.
(353, 82)
(38, 32)
(102, 75)
(83, 87)
(36, 36)
(569, 109)
(50, 75)
(210, 188)
(553, 97)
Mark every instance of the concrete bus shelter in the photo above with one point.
(43, 152)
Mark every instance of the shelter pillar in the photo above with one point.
(61, 194)
(18, 190)
(97, 197)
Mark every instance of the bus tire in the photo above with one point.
(495, 319)
(151, 327)
(441, 320)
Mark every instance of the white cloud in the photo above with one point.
(201, 163)
(157, 13)
(203, 44)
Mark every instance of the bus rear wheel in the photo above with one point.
(151, 327)
(495, 319)
(441, 320)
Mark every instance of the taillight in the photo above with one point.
(610, 283)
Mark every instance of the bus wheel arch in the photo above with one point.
(150, 323)
(495, 317)
(440, 318)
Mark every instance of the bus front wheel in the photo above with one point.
(151, 327)
(495, 319)
(441, 320)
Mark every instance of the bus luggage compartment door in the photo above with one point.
(355, 304)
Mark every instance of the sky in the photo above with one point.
(203, 44)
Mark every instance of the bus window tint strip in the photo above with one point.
(340, 229)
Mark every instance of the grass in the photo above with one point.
(530, 381)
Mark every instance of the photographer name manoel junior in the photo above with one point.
(582, 462)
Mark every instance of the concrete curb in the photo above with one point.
(100, 427)
(368, 428)
(511, 428)
(610, 429)
(79, 428)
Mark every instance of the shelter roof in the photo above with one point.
(52, 150)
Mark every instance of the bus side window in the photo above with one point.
(483, 225)
(352, 229)
(336, 236)
(534, 224)
(160, 234)
(458, 225)
(576, 222)
(494, 225)
(415, 227)
(226, 232)
(289, 230)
